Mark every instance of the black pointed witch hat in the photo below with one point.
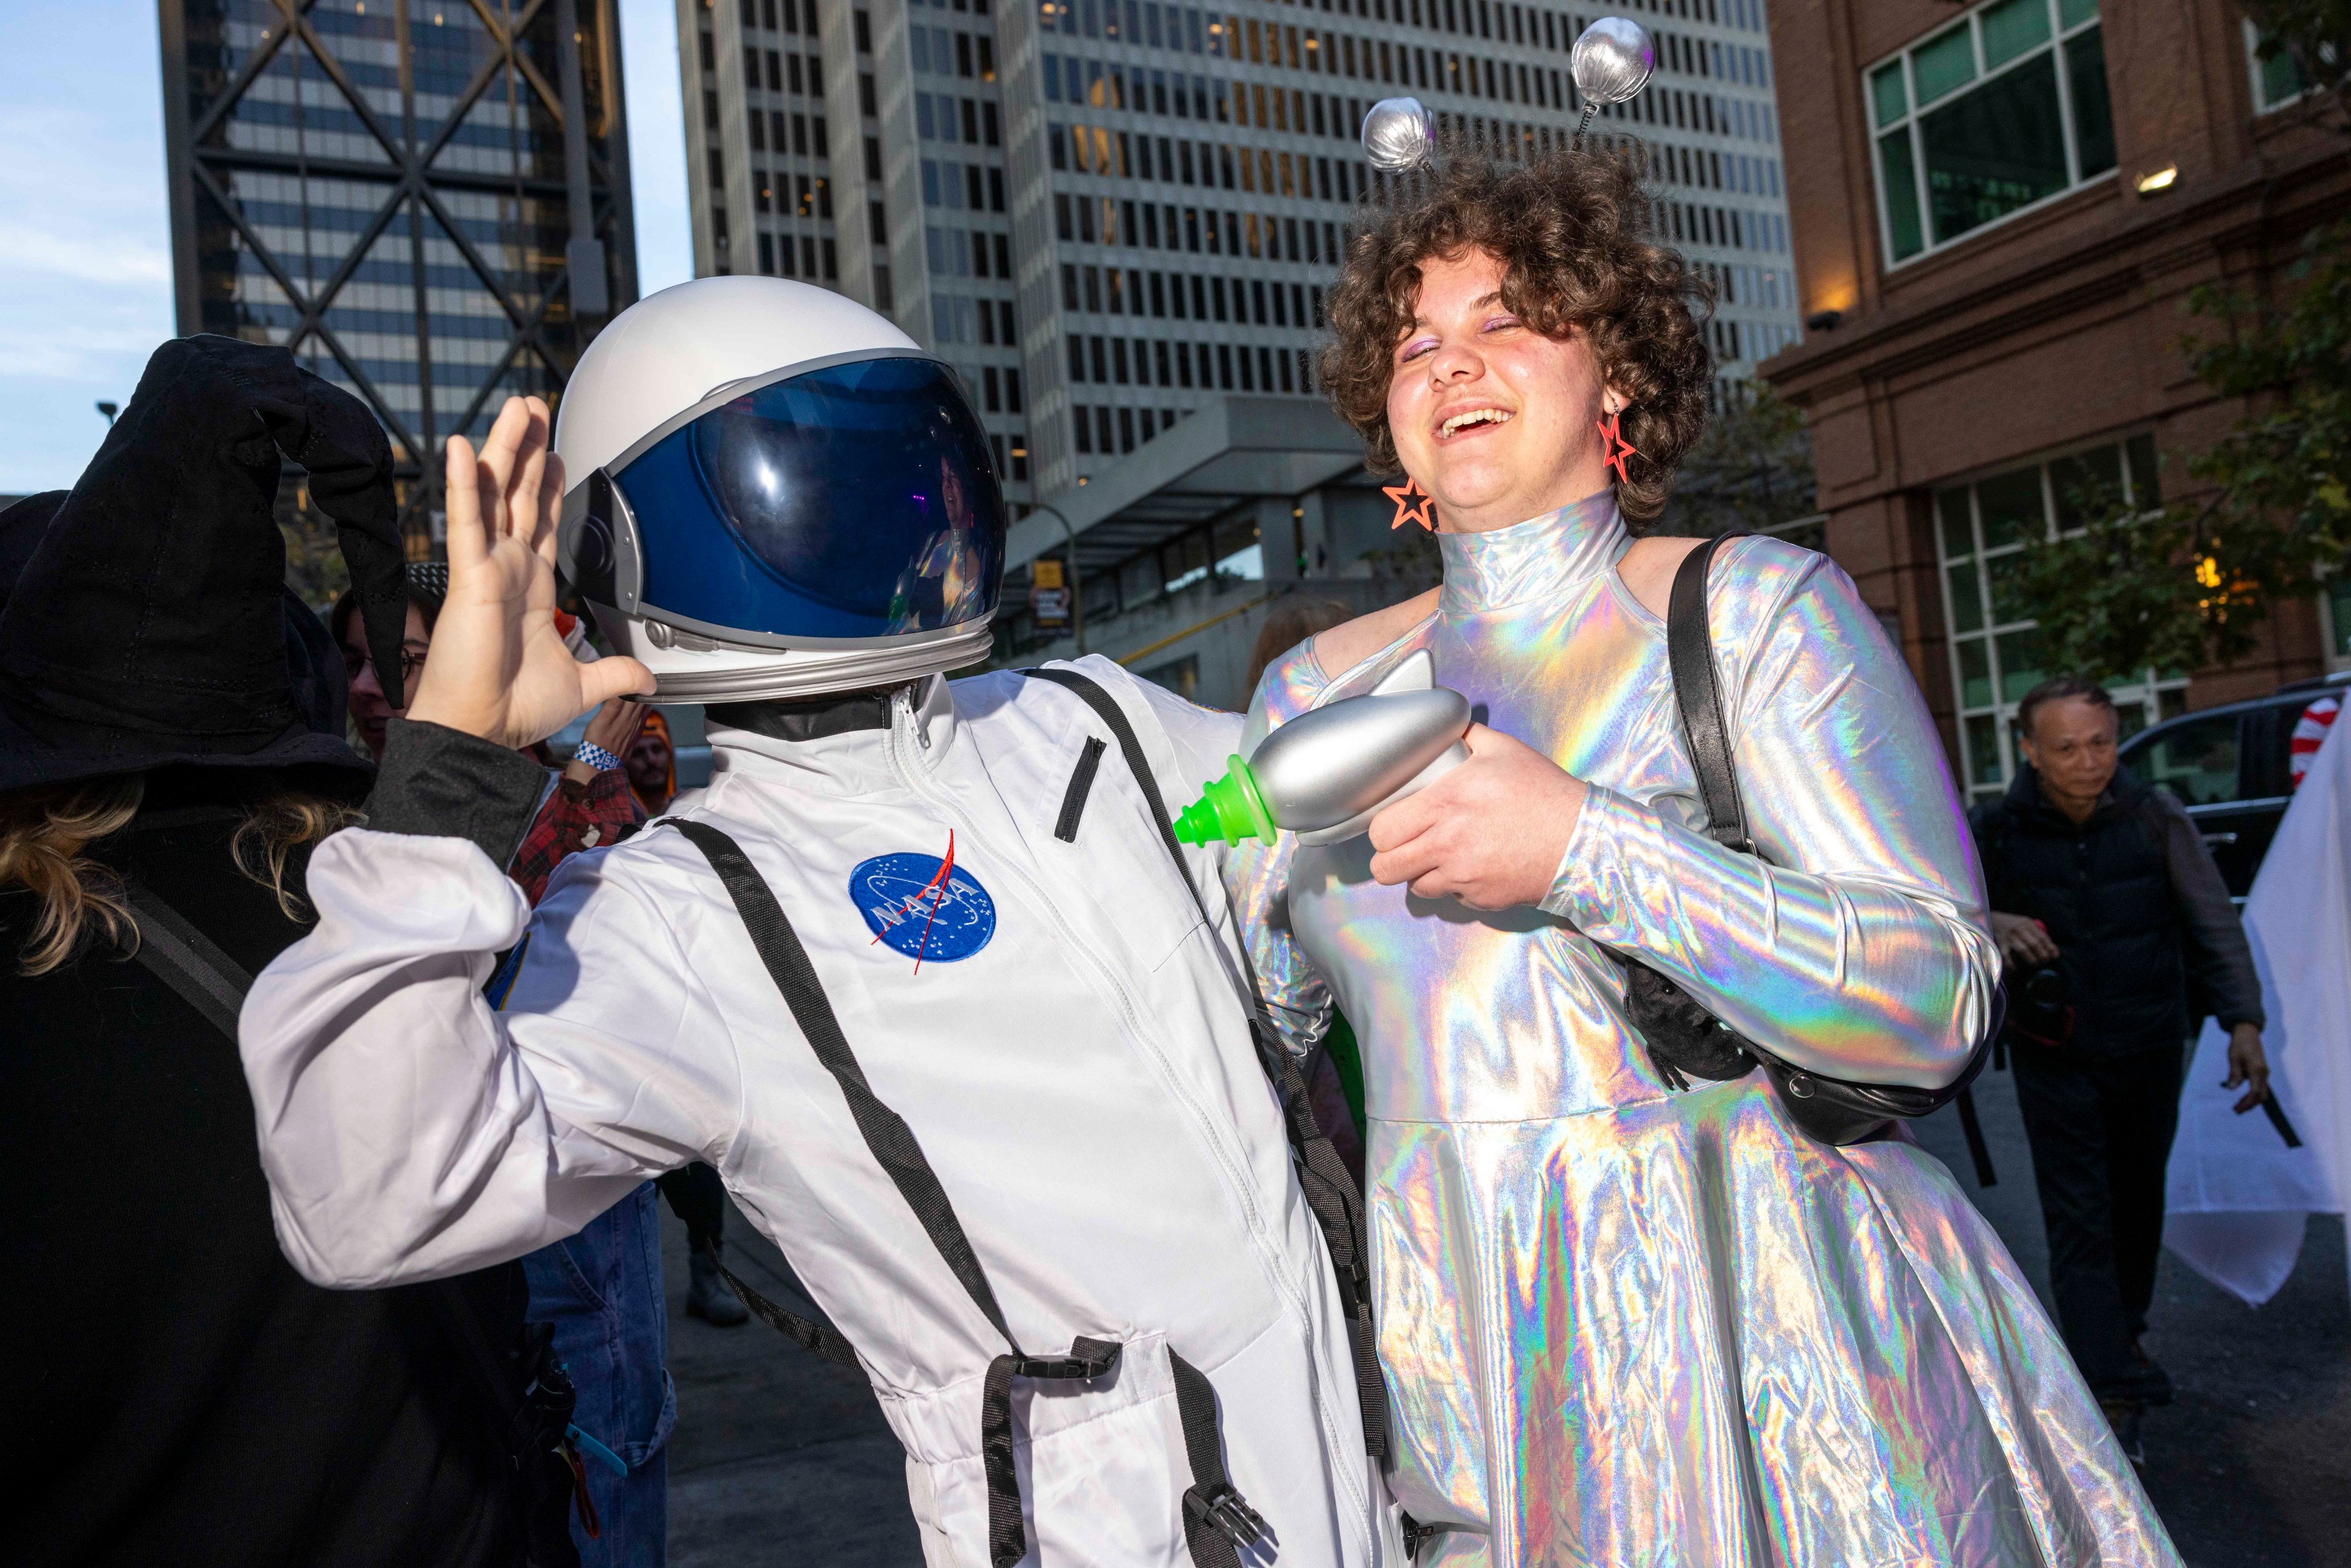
(150, 625)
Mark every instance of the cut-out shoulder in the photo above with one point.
(1649, 570)
(1344, 646)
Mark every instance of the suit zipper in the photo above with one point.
(1268, 1256)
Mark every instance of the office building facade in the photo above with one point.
(1997, 228)
(427, 202)
(1106, 212)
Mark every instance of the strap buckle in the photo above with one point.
(1088, 1359)
(1223, 1506)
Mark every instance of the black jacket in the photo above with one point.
(175, 1393)
(2139, 912)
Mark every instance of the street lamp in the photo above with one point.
(110, 409)
(1077, 591)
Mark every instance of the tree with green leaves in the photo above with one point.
(1752, 469)
(2122, 588)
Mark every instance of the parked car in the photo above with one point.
(2234, 767)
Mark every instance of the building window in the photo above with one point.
(2277, 81)
(2006, 109)
(1995, 652)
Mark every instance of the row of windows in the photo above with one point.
(960, 319)
(1118, 155)
(1100, 220)
(785, 73)
(1726, 228)
(1291, 110)
(1000, 390)
(943, 53)
(1113, 430)
(960, 187)
(255, 109)
(397, 271)
(315, 217)
(1715, 171)
(348, 324)
(1130, 291)
(1394, 63)
(1181, 28)
(937, 119)
(320, 194)
(779, 255)
(955, 254)
(1105, 362)
(789, 17)
(807, 135)
(795, 195)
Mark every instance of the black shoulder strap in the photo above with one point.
(894, 1149)
(1689, 648)
(1330, 1192)
(185, 959)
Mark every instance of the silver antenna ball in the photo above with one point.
(1399, 135)
(1613, 60)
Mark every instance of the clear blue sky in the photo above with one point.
(84, 243)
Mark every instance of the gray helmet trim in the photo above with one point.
(777, 674)
(701, 637)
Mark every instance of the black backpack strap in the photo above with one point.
(1218, 1522)
(1330, 1192)
(187, 960)
(894, 1149)
(1689, 648)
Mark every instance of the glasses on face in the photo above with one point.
(410, 660)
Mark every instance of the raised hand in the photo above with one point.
(498, 668)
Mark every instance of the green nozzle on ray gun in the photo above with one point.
(1326, 773)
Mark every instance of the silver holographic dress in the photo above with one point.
(1625, 1326)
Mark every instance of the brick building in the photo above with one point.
(1998, 212)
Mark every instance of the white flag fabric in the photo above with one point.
(2238, 1196)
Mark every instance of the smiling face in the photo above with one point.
(1497, 421)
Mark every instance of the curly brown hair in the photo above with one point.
(1573, 233)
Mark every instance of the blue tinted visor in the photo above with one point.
(856, 500)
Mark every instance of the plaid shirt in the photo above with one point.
(574, 817)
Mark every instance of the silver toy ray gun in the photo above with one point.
(1326, 773)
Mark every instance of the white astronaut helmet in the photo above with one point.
(772, 492)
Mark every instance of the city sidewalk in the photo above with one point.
(780, 1459)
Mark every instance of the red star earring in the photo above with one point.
(1408, 510)
(1619, 448)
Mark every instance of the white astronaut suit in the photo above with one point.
(988, 905)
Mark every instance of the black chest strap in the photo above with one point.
(1331, 1191)
(1225, 1519)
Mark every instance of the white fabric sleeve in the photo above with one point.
(408, 1131)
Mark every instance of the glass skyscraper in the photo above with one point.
(1104, 211)
(428, 200)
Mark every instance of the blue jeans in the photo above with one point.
(602, 1291)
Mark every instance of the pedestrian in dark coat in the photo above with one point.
(170, 745)
(2117, 934)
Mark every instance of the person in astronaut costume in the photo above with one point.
(781, 506)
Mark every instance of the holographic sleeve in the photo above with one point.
(1257, 884)
(1857, 946)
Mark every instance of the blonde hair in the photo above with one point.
(45, 832)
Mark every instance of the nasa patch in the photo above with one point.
(923, 906)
